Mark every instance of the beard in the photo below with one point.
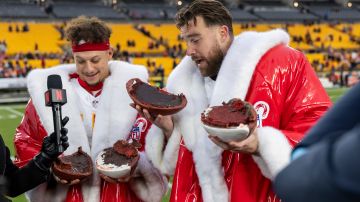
(213, 63)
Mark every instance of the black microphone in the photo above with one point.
(55, 97)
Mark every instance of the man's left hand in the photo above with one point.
(249, 145)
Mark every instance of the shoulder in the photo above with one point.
(120, 68)
(281, 52)
(282, 59)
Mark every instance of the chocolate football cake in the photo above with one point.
(230, 114)
(155, 100)
(123, 155)
(75, 166)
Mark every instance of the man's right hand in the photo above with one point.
(165, 123)
(65, 182)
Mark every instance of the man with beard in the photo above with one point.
(257, 67)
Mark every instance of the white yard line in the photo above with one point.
(13, 111)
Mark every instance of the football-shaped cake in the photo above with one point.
(75, 166)
(155, 100)
(233, 120)
(119, 160)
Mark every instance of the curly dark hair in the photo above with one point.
(213, 12)
(90, 29)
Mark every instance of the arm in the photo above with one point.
(162, 141)
(344, 115)
(35, 162)
(297, 100)
(301, 101)
(24, 179)
(148, 183)
(29, 136)
(328, 171)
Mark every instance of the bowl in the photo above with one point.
(118, 161)
(75, 166)
(154, 99)
(232, 121)
(112, 170)
(229, 134)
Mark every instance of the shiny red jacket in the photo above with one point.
(28, 141)
(283, 79)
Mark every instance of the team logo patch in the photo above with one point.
(138, 128)
(262, 109)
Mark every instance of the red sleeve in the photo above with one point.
(29, 136)
(305, 103)
(297, 100)
(140, 130)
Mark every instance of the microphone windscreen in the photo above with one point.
(54, 82)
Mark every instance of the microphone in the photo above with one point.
(55, 97)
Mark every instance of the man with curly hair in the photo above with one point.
(99, 111)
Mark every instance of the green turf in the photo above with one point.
(10, 120)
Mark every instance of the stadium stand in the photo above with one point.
(66, 10)
(32, 34)
(18, 10)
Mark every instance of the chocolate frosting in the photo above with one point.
(154, 96)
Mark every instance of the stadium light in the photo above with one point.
(296, 4)
(344, 3)
(291, 3)
(179, 3)
(349, 4)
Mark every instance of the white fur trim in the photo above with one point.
(114, 117)
(274, 151)
(163, 159)
(151, 186)
(232, 82)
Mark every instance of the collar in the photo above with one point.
(86, 86)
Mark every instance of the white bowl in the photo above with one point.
(111, 170)
(228, 134)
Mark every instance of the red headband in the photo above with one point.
(90, 46)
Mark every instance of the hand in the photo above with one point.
(113, 180)
(165, 123)
(249, 145)
(65, 182)
(50, 147)
(49, 150)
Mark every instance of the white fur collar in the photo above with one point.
(114, 117)
(233, 81)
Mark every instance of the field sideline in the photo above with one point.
(10, 117)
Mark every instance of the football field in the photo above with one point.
(10, 117)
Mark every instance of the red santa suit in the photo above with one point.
(261, 69)
(96, 123)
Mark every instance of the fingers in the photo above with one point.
(64, 138)
(124, 179)
(64, 121)
(132, 105)
(62, 181)
(63, 131)
(144, 112)
(76, 181)
(65, 145)
(249, 145)
(52, 137)
(108, 179)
